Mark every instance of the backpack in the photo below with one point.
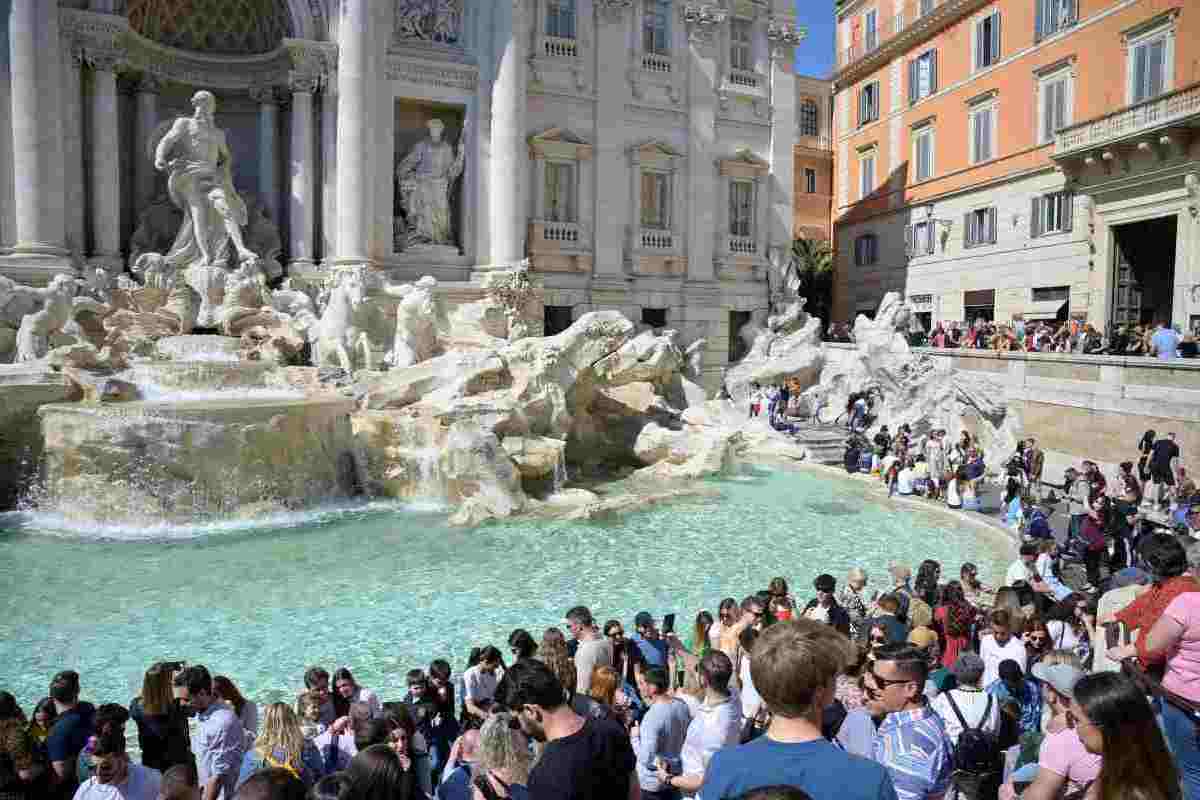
(977, 751)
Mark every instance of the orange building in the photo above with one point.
(1008, 159)
(813, 171)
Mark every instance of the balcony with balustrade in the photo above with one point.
(1162, 127)
(559, 246)
(917, 21)
(655, 251)
(558, 47)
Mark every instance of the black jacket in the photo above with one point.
(839, 618)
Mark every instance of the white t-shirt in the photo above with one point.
(904, 481)
(992, 654)
(1062, 635)
(591, 654)
(751, 699)
(141, 784)
(1017, 571)
(479, 685)
(953, 498)
(972, 704)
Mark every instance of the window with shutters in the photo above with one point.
(741, 45)
(560, 18)
(1148, 66)
(919, 238)
(923, 149)
(870, 31)
(656, 27)
(810, 124)
(866, 175)
(1052, 213)
(868, 103)
(1055, 99)
(986, 40)
(810, 180)
(1052, 16)
(979, 227)
(922, 76)
(866, 250)
(983, 132)
(741, 208)
(560, 191)
(656, 199)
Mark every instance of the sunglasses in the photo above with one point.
(884, 683)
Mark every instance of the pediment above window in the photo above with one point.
(743, 164)
(559, 143)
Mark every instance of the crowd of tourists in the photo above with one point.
(1162, 340)
(924, 688)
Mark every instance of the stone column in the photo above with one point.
(355, 91)
(37, 144)
(146, 93)
(105, 164)
(328, 172)
(268, 150)
(303, 161)
(783, 39)
(510, 155)
(613, 216)
(703, 26)
(74, 179)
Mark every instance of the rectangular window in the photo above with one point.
(560, 192)
(1052, 213)
(556, 319)
(741, 45)
(738, 348)
(1051, 294)
(654, 317)
(656, 200)
(983, 133)
(979, 227)
(987, 41)
(868, 103)
(866, 250)
(810, 180)
(741, 208)
(1055, 107)
(920, 238)
(1148, 60)
(560, 18)
(809, 118)
(866, 170)
(1053, 16)
(923, 153)
(922, 76)
(656, 27)
(871, 31)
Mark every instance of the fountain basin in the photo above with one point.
(187, 462)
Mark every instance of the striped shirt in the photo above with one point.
(914, 748)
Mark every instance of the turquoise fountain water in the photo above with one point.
(382, 588)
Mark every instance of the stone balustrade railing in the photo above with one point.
(743, 246)
(745, 79)
(653, 62)
(655, 239)
(1143, 117)
(559, 47)
(563, 233)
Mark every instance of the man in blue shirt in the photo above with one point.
(912, 741)
(219, 742)
(795, 667)
(652, 646)
(1165, 342)
(71, 730)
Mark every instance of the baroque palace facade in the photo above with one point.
(1019, 159)
(640, 154)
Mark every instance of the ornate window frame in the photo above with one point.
(656, 156)
(561, 146)
(747, 251)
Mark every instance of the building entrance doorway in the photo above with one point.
(1143, 271)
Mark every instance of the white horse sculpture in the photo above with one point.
(338, 339)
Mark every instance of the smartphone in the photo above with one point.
(668, 623)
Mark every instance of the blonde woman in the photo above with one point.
(162, 728)
(281, 743)
(503, 759)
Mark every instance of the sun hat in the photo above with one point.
(1062, 677)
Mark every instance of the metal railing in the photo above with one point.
(1151, 114)
(559, 47)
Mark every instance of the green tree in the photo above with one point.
(810, 275)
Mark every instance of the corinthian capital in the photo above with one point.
(265, 95)
(612, 11)
(702, 20)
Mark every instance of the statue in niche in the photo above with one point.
(429, 20)
(425, 180)
(199, 166)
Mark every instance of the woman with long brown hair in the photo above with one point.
(162, 728)
(955, 621)
(1113, 719)
(246, 710)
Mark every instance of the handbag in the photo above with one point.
(755, 726)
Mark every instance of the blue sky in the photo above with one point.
(814, 56)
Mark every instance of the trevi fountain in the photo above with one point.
(206, 459)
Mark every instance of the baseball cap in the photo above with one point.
(1062, 677)
(825, 583)
(922, 637)
(643, 619)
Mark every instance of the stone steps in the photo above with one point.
(825, 444)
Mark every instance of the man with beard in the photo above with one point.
(114, 776)
(582, 758)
